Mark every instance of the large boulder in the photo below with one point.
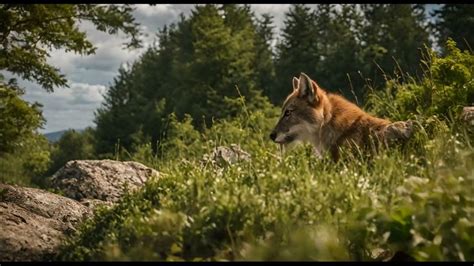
(33, 222)
(104, 180)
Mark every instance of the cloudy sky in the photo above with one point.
(89, 76)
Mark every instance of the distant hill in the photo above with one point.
(55, 136)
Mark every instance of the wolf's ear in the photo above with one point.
(308, 89)
(295, 83)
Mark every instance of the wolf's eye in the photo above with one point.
(287, 112)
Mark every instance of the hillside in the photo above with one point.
(56, 135)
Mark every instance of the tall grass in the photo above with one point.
(417, 200)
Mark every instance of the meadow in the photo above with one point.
(414, 200)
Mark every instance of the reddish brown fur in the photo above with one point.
(353, 123)
(332, 121)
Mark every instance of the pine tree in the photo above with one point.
(392, 37)
(296, 52)
(457, 22)
(264, 68)
(137, 99)
(117, 118)
(194, 70)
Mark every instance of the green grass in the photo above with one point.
(417, 199)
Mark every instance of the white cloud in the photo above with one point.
(152, 10)
(276, 10)
(65, 108)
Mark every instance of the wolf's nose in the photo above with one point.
(273, 136)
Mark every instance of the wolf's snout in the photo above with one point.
(273, 135)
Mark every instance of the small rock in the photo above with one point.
(94, 203)
(227, 155)
(398, 131)
(467, 115)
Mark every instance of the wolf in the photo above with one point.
(328, 121)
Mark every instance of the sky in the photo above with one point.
(89, 76)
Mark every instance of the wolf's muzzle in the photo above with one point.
(273, 135)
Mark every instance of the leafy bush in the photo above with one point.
(72, 145)
(446, 86)
(28, 164)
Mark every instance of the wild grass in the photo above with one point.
(415, 199)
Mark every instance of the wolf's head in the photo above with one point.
(302, 113)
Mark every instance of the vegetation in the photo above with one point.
(27, 34)
(214, 79)
(455, 21)
(18, 118)
(72, 145)
(30, 31)
(414, 199)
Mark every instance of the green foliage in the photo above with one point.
(447, 85)
(24, 154)
(29, 32)
(181, 138)
(456, 22)
(18, 118)
(72, 145)
(195, 70)
(28, 163)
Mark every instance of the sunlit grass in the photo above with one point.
(416, 199)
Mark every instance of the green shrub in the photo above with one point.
(446, 86)
(28, 164)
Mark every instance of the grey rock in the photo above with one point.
(399, 131)
(95, 203)
(467, 115)
(33, 222)
(227, 155)
(104, 180)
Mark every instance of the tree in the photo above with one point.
(195, 69)
(18, 118)
(141, 95)
(29, 32)
(264, 64)
(457, 22)
(119, 116)
(340, 62)
(27, 163)
(392, 38)
(72, 145)
(297, 51)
